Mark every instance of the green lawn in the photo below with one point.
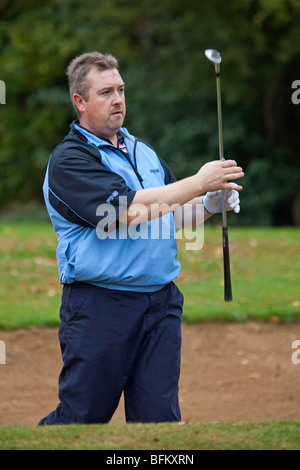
(165, 436)
(29, 289)
(265, 267)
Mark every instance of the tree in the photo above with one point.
(171, 94)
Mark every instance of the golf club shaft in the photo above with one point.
(226, 259)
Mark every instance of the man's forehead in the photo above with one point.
(110, 77)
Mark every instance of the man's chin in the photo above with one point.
(116, 124)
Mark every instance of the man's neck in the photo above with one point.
(113, 138)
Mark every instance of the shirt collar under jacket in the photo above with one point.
(93, 139)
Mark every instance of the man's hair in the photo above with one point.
(79, 67)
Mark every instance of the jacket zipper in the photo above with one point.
(134, 166)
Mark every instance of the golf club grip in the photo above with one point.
(226, 262)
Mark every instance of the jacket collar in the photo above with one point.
(92, 138)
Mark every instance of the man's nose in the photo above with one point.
(117, 98)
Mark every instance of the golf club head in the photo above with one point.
(213, 55)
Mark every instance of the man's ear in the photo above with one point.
(79, 102)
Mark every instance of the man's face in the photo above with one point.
(104, 111)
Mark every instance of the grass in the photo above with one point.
(29, 290)
(265, 266)
(166, 436)
(265, 270)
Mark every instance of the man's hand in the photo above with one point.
(216, 175)
(150, 203)
(212, 201)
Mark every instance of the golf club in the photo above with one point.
(215, 57)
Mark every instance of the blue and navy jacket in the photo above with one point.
(85, 175)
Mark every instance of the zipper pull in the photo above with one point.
(139, 178)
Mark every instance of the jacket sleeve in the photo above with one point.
(78, 183)
(169, 177)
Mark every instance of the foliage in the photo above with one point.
(171, 96)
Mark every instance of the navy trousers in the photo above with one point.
(113, 342)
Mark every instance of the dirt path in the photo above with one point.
(230, 372)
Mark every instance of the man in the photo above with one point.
(120, 311)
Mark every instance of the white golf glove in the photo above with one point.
(212, 201)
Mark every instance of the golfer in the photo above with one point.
(121, 312)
